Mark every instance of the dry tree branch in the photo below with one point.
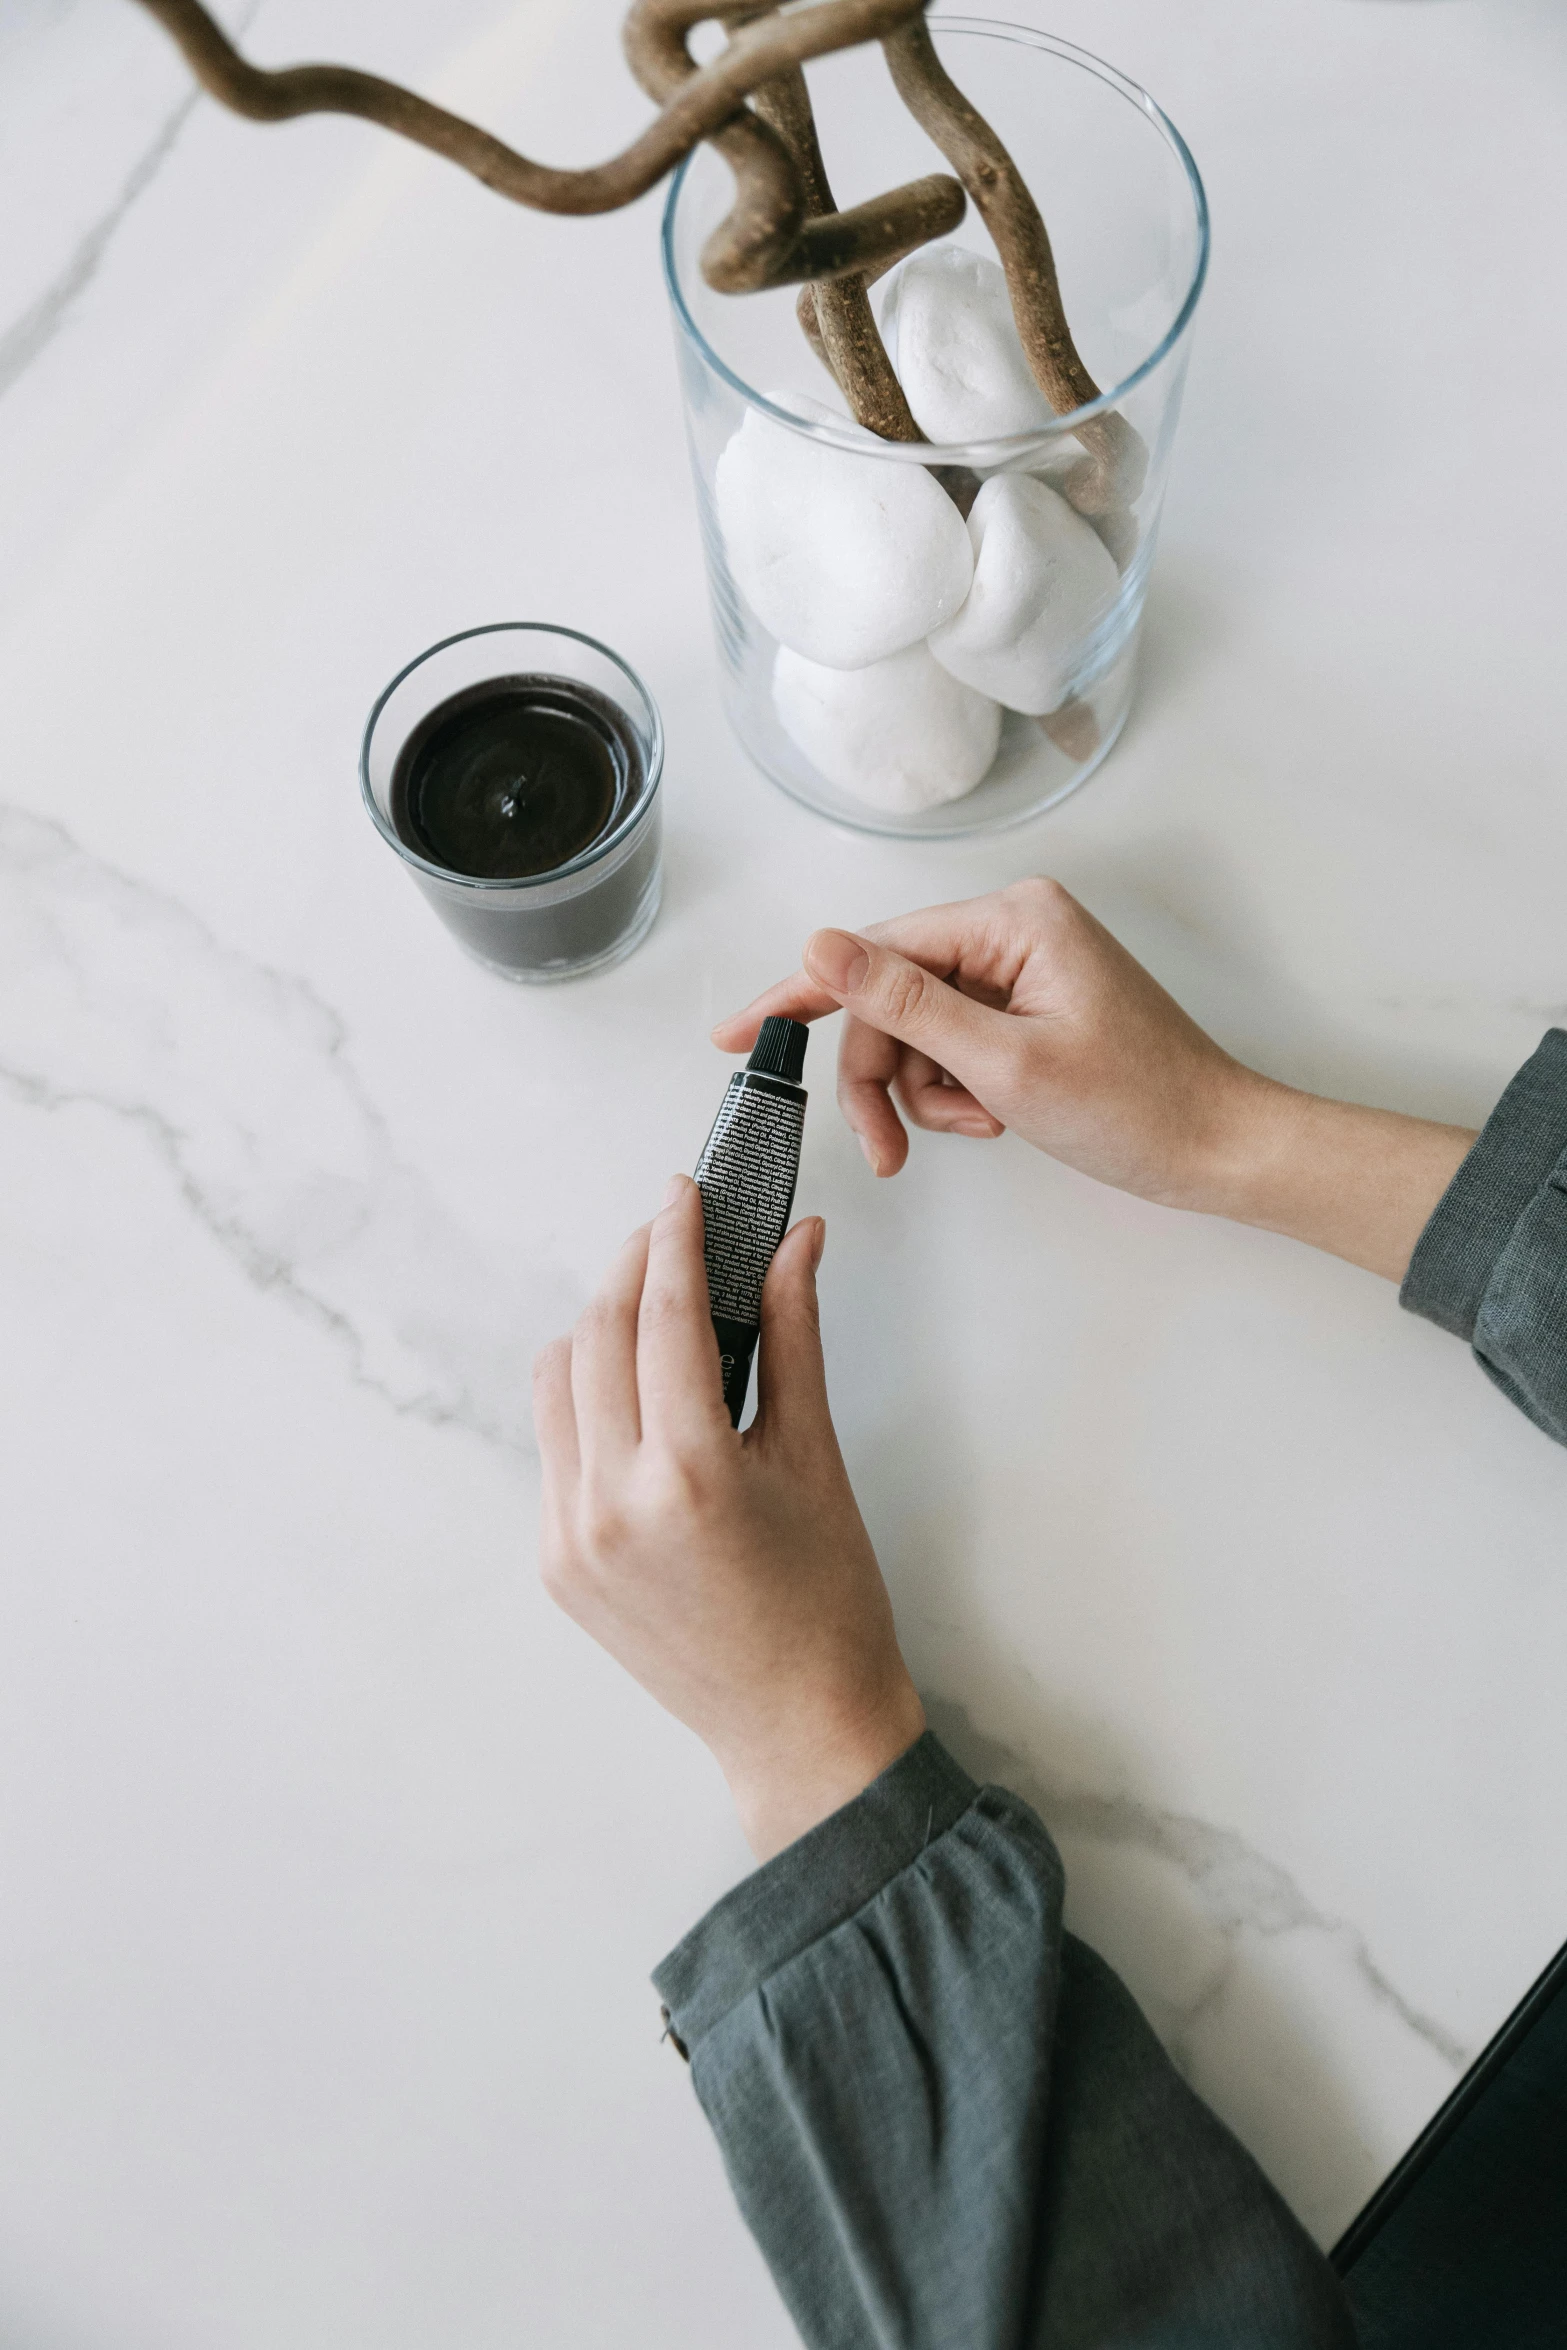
(761, 45)
(836, 315)
(766, 240)
(782, 228)
(1118, 459)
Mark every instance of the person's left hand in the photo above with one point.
(730, 1574)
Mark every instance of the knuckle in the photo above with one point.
(1039, 892)
(905, 994)
(853, 1091)
(603, 1525)
(679, 1488)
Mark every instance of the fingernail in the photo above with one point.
(838, 960)
(677, 1184)
(872, 1155)
(818, 1241)
(980, 1128)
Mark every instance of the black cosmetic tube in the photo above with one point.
(746, 1176)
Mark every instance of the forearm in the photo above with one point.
(1473, 1227)
(1359, 1183)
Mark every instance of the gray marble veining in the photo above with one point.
(26, 336)
(241, 1079)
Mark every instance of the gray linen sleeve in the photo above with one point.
(947, 2123)
(1491, 1266)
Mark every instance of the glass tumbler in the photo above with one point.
(593, 905)
(1127, 218)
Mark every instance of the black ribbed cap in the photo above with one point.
(780, 1049)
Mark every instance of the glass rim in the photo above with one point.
(845, 433)
(519, 883)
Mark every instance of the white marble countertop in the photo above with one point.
(334, 1860)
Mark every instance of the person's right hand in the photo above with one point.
(1020, 1010)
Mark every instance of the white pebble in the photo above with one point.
(901, 735)
(1042, 578)
(950, 334)
(843, 558)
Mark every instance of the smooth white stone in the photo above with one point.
(845, 559)
(948, 325)
(901, 735)
(1042, 577)
(1054, 463)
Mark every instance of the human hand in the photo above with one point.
(1020, 1010)
(730, 1574)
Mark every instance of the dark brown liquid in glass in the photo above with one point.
(515, 777)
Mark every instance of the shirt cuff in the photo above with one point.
(811, 1887)
(1521, 1142)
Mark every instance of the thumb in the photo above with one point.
(791, 1379)
(886, 991)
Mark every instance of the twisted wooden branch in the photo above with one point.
(1106, 484)
(750, 102)
(767, 238)
(836, 315)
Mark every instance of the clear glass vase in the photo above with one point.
(830, 693)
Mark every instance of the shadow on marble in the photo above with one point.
(1184, 642)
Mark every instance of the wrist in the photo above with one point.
(786, 1782)
(1255, 1150)
(1359, 1183)
(1238, 1137)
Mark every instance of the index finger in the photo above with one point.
(679, 1379)
(796, 998)
(958, 937)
